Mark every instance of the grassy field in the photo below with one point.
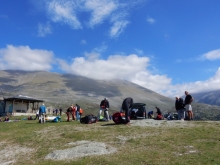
(28, 142)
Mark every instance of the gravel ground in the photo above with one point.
(161, 123)
(81, 149)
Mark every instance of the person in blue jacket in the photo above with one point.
(150, 114)
(42, 113)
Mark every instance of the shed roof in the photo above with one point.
(22, 98)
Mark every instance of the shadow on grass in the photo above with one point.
(111, 124)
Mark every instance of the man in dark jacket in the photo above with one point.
(104, 106)
(180, 108)
(126, 105)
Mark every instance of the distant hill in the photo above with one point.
(212, 98)
(62, 90)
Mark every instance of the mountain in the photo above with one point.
(65, 89)
(212, 98)
(62, 90)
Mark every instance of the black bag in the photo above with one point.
(119, 118)
(88, 119)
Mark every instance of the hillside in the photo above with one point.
(212, 98)
(62, 90)
(67, 89)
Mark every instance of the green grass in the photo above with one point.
(137, 145)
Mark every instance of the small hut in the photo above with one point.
(18, 104)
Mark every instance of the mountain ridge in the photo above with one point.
(62, 90)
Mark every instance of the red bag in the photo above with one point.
(159, 117)
(119, 118)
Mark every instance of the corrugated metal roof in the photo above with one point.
(24, 98)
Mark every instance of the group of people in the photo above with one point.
(183, 107)
(56, 110)
(74, 111)
(125, 107)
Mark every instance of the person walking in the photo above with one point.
(126, 106)
(188, 106)
(104, 106)
(180, 108)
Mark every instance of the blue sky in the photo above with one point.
(168, 46)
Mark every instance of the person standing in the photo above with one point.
(104, 106)
(60, 111)
(188, 106)
(37, 115)
(80, 112)
(77, 112)
(126, 106)
(73, 112)
(56, 111)
(68, 112)
(180, 108)
(42, 113)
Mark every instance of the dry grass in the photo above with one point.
(29, 142)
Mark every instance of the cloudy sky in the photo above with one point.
(168, 46)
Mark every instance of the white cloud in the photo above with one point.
(150, 20)
(131, 68)
(135, 69)
(140, 52)
(112, 12)
(212, 55)
(44, 29)
(83, 42)
(64, 11)
(24, 58)
(117, 28)
(100, 10)
(210, 84)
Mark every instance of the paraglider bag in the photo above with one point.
(88, 119)
(119, 118)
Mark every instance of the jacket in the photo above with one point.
(179, 104)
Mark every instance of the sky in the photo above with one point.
(168, 46)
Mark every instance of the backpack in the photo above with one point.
(81, 111)
(101, 118)
(88, 119)
(119, 118)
